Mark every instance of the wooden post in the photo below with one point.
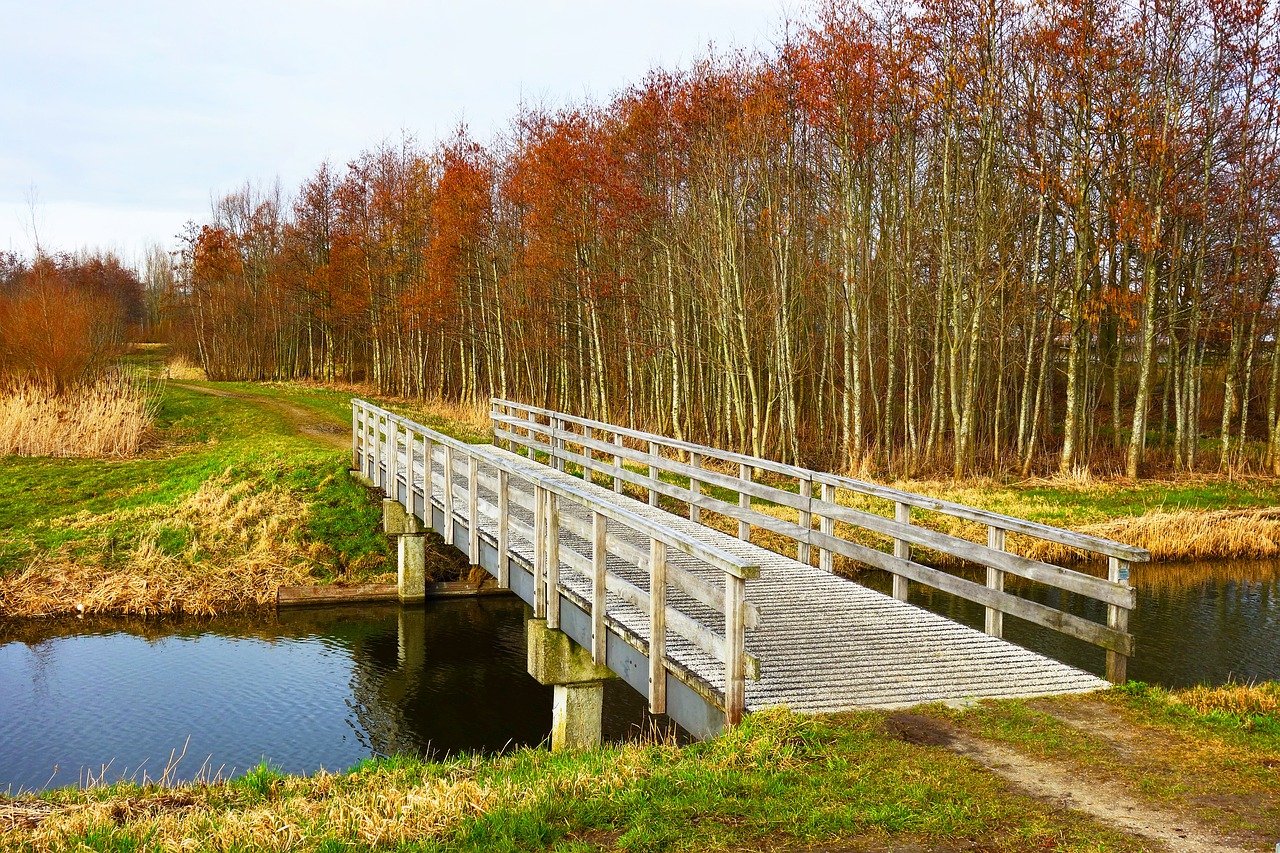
(1118, 620)
(617, 464)
(653, 474)
(995, 580)
(735, 684)
(533, 436)
(355, 436)
(553, 560)
(902, 549)
(557, 443)
(504, 530)
(539, 552)
(657, 627)
(493, 425)
(428, 458)
(827, 525)
(448, 495)
(744, 501)
(599, 569)
(803, 554)
(473, 509)
(695, 489)
(388, 451)
(410, 446)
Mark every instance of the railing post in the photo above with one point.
(493, 425)
(599, 585)
(617, 464)
(695, 489)
(901, 549)
(410, 447)
(428, 454)
(539, 552)
(735, 683)
(553, 560)
(995, 580)
(557, 444)
(653, 474)
(448, 495)
(473, 509)
(744, 501)
(355, 437)
(533, 435)
(657, 627)
(504, 530)
(803, 552)
(1117, 620)
(827, 525)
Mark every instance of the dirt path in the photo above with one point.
(1066, 787)
(303, 422)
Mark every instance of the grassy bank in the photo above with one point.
(859, 781)
(238, 491)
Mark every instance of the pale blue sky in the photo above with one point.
(121, 120)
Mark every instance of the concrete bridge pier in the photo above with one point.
(411, 548)
(578, 684)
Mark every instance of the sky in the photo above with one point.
(121, 121)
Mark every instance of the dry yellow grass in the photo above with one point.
(1248, 534)
(226, 547)
(184, 370)
(1241, 700)
(110, 417)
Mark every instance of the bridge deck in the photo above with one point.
(826, 643)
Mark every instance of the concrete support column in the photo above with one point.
(411, 575)
(556, 660)
(395, 520)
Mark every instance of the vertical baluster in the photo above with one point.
(1117, 620)
(473, 509)
(653, 474)
(504, 530)
(553, 560)
(695, 489)
(392, 439)
(735, 690)
(355, 437)
(533, 436)
(744, 501)
(557, 443)
(448, 494)
(803, 554)
(658, 627)
(827, 525)
(599, 568)
(901, 514)
(493, 425)
(410, 441)
(617, 464)
(994, 623)
(539, 552)
(428, 482)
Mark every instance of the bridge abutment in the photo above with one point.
(556, 660)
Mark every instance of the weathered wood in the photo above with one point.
(735, 687)
(504, 529)
(553, 560)
(1118, 620)
(539, 553)
(803, 553)
(617, 463)
(827, 527)
(448, 494)
(902, 550)
(473, 510)
(695, 488)
(653, 473)
(744, 502)
(994, 619)
(599, 570)
(657, 627)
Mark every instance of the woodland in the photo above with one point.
(960, 236)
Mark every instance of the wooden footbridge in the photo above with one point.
(707, 625)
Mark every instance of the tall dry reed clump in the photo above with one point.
(107, 417)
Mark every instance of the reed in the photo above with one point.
(1244, 701)
(1246, 534)
(184, 369)
(110, 417)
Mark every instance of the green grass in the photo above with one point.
(199, 437)
(777, 781)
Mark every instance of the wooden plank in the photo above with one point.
(993, 619)
(902, 550)
(657, 627)
(1066, 623)
(448, 494)
(827, 527)
(803, 552)
(617, 463)
(539, 553)
(553, 560)
(653, 472)
(735, 687)
(599, 585)
(473, 510)
(504, 530)
(695, 488)
(1117, 620)
(744, 502)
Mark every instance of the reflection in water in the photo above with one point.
(1194, 623)
(323, 687)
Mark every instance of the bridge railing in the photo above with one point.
(604, 448)
(393, 452)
